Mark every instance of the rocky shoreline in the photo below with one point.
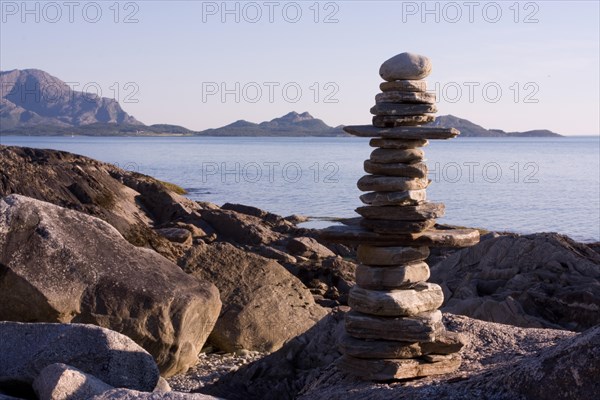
(85, 242)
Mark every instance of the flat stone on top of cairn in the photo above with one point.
(395, 329)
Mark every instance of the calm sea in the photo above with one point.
(522, 185)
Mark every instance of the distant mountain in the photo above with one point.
(291, 124)
(469, 129)
(34, 98)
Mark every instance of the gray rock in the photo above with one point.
(124, 394)
(422, 297)
(162, 386)
(177, 235)
(397, 227)
(423, 327)
(398, 143)
(405, 66)
(239, 227)
(387, 156)
(391, 121)
(409, 132)
(405, 198)
(419, 212)
(308, 247)
(393, 277)
(395, 369)
(26, 349)
(399, 109)
(404, 86)
(378, 183)
(373, 255)
(416, 170)
(63, 382)
(60, 265)
(405, 97)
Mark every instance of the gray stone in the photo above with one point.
(405, 97)
(26, 349)
(392, 121)
(392, 277)
(445, 343)
(124, 394)
(405, 198)
(398, 143)
(396, 369)
(416, 170)
(405, 66)
(63, 382)
(432, 238)
(404, 86)
(373, 255)
(177, 235)
(399, 109)
(424, 327)
(419, 212)
(377, 183)
(409, 132)
(162, 386)
(308, 247)
(60, 265)
(387, 156)
(397, 227)
(420, 298)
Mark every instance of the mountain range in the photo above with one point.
(35, 103)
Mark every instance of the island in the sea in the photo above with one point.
(35, 103)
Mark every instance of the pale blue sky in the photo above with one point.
(174, 57)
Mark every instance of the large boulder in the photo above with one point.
(59, 265)
(27, 349)
(240, 228)
(540, 280)
(263, 304)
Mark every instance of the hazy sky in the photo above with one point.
(505, 64)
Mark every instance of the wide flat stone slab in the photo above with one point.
(397, 369)
(397, 227)
(398, 143)
(430, 238)
(423, 328)
(404, 86)
(386, 156)
(399, 109)
(392, 277)
(419, 212)
(379, 183)
(405, 97)
(374, 255)
(390, 121)
(404, 198)
(420, 298)
(416, 170)
(411, 132)
(445, 343)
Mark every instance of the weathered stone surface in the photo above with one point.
(308, 247)
(263, 304)
(416, 170)
(378, 183)
(60, 265)
(424, 327)
(410, 132)
(63, 382)
(386, 156)
(391, 277)
(391, 369)
(26, 349)
(124, 394)
(405, 198)
(420, 298)
(398, 143)
(404, 86)
(543, 280)
(405, 97)
(242, 228)
(178, 235)
(373, 255)
(419, 212)
(405, 66)
(431, 238)
(399, 109)
(397, 227)
(391, 121)
(445, 343)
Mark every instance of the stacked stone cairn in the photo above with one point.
(394, 330)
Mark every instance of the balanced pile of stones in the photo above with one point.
(395, 330)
